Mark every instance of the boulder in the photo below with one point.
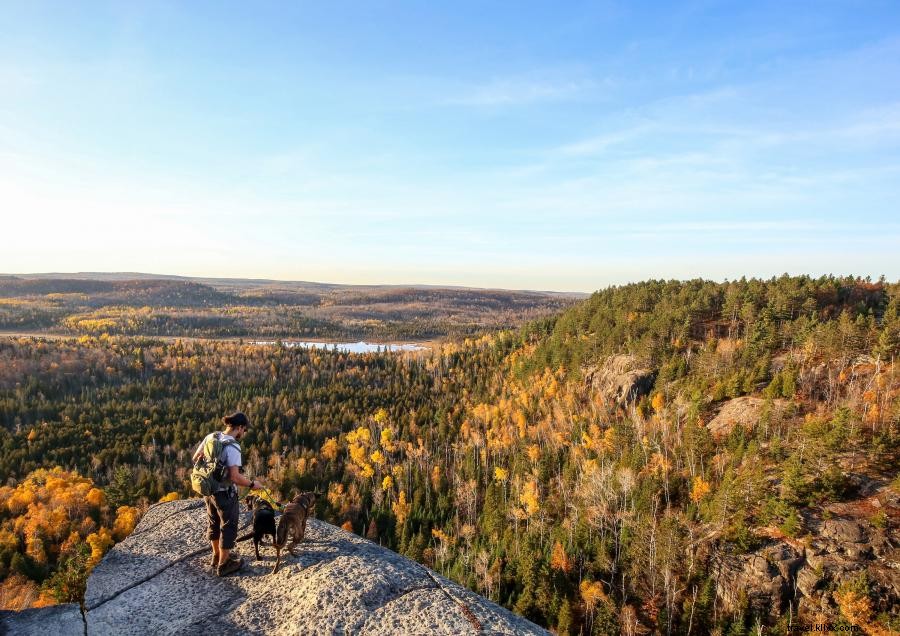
(159, 581)
(744, 411)
(843, 531)
(620, 379)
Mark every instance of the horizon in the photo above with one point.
(587, 292)
(158, 276)
(546, 148)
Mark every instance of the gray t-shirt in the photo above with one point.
(231, 456)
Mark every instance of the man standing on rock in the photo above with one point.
(222, 506)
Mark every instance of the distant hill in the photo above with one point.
(90, 303)
(263, 282)
(135, 293)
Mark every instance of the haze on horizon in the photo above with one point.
(534, 147)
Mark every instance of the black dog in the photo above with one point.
(263, 521)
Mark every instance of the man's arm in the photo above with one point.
(199, 452)
(234, 473)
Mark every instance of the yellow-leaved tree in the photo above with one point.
(126, 519)
(559, 560)
(592, 593)
(59, 520)
(330, 449)
(699, 490)
(401, 509)
(529, 498)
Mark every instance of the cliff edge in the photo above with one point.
(159, 581)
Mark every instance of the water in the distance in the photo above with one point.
(348, 347)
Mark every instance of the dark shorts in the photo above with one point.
(222, 513)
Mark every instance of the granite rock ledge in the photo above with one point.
(159, 581)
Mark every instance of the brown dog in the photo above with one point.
(292, 524)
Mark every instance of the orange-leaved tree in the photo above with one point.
(53, 530)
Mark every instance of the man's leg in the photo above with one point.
(213, 531)
(229, 513)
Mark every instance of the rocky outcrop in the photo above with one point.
(159, 581)
(764, 578)
(620, 379)
(746, 412)
(846, 545)
(806, 573)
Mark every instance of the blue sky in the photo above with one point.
(547, 145)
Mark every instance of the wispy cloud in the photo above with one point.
(531, 88)
(600, 143)
(879, 124)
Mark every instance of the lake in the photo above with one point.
(348, 347)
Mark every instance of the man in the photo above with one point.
(222, 506)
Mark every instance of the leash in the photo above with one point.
(269, 497)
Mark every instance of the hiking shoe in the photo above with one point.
(232, 565)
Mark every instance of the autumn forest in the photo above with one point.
(618, 464)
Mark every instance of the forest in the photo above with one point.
(622, 466)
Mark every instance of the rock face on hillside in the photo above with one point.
(159, 581)
(763, 577)
(807, 572)
(620, 379)
(746, 412)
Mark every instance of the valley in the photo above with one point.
(666, 456)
